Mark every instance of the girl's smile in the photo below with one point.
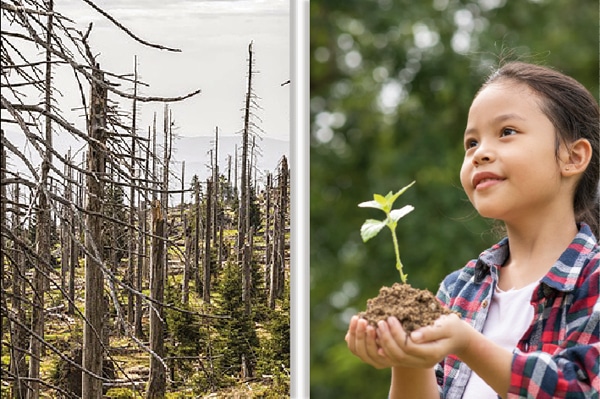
(482, 180)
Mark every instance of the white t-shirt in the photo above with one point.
(508, 318)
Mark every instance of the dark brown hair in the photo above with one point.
(573, 111)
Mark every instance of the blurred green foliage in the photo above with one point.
(391, 82)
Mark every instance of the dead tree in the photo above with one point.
(43, 230)
(94, 279)
(34, 29)
(73, 242)
(18, 338)
(138, 328)
(268, 248)
(157, 382)
(197, 231)
(13, 257)
(207, 239)
(244, 207)
(215, 187)
(187, 233)
(281, 217)
(131, 242)
(3, 214)
(164, 197)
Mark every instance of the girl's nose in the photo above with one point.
(483, 154)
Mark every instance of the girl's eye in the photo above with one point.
(507, 131)
(470, 143)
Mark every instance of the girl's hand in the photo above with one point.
(362, 341)
(426, 346)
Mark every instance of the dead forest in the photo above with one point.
(119, 280)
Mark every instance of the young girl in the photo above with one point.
(529, 306)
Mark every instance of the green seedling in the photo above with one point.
(372, 227)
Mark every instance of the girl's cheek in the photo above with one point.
(465, 175)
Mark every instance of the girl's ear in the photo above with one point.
(576, 157)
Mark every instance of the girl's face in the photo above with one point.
(510, 171)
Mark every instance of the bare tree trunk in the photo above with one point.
(73, 264)
(207, 238)
(215, 187)
(18, 365)
(165, 180)
(185, 288)
(3, 256)
(131, 247)
(221, 249)
(182, 200)
(243, 222)
(282, 208)
(247, 272)
(139, 332)
(65, 241)
(40, 283)
(197, 231)
(142, 260)
(157, 382)
(77, 237)
(268, 245)
(235, 172)
(94, 282)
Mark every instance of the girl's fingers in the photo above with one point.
(442, 328)
(351, 334)
(392, 338)
(401, 349)
(366, 346)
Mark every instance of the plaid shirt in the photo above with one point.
(558, 356)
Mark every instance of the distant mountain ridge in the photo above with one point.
(195, 151)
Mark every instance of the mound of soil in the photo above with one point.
(413, 307)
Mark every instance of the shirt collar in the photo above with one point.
(562, 275)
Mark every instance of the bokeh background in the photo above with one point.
(391, 83)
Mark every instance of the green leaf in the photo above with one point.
(392, 197)
(381, 200)
(370, 204)
(397, 214)
(371, 228)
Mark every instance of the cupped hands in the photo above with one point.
(389, 345)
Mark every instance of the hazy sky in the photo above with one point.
(214, 38)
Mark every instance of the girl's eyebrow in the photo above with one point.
(496, 120)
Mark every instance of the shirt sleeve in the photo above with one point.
(570, 370)
(573, 373)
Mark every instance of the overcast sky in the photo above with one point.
(213, 37)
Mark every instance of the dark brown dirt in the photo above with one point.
(413, 307)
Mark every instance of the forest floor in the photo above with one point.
(131, 362)
(62, 331)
